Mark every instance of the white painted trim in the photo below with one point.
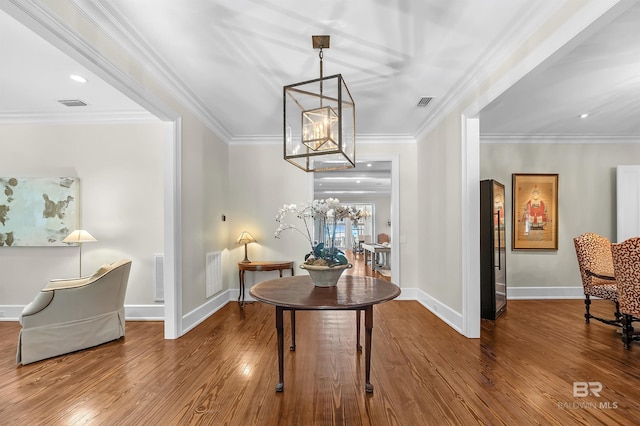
(489, 138)
(569, 33)
(210, 307)
(445, 313)
(532, 16)
(533, 293)
(11, 312)
(470, 227)
(131, 312)
(172, 262)
(49, 26)
(360, 139)
(117, 117)
(470, 162)
(144, 312)
(118, 28)
(453, 318)
(395, 205)
(41, 20)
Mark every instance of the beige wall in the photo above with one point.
(586, 200)
(121, 194)
(440, 206)
(202, 154)
(261, 182)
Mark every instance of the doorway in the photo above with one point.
(373, 185)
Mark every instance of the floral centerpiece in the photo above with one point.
(324, 216)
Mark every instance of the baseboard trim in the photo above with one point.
(131, 312)
(10, 312)
(204, 311)
(144, 312)
(532, 293)
(439, 309)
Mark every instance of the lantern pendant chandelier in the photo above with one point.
(319, 121)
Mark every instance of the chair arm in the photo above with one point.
(603, 276)
(40, 302)
(59, 284)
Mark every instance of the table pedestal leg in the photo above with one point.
(280, 333)
(368, 326)
(293, 330)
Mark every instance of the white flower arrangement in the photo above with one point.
(327, 213)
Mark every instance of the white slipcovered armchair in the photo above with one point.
(74, 314)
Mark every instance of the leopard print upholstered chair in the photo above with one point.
(626, 266)
(596, 270)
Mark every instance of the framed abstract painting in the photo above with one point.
(39, 211)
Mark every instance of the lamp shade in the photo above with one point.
(245, 238)
(79, 236)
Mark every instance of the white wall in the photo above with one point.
(120, 171)
(586, 200)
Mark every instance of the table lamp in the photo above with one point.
(245, 238)
(79, 236)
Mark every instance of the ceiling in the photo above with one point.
(367, 180)
(598, 74)
(231, 59)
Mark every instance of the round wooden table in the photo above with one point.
(353, 292)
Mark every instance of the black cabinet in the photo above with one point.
(493, 252)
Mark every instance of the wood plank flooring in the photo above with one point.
(521, 371)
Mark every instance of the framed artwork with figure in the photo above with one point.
(535, 211)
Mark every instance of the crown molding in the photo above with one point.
(361, 139)
(44, 22)
(102, 17)
(530, 19)
(503, 138)
(136, 116)
(573, 17)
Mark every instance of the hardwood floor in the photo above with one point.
(521, 371)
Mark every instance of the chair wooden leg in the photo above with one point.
(617, 313)
(587, 304)
(627, 330)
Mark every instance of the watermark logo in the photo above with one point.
(584, 389)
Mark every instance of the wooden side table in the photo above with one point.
(261, 265)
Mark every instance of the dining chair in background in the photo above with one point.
(596, 270)
(626, 266)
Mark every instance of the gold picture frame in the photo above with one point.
(535, 211)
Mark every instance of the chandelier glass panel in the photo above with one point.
(319, 121)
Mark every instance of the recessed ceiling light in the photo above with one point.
(369, 164)
(585, 115)
(78, 78)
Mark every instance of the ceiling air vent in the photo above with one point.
(424, 101)
(72, 102)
